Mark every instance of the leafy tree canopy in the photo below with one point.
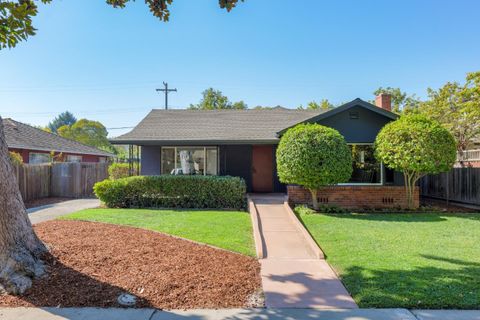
(323, 105)
(401, 101)
(313, 156)
(63, 119)
(457, 108)
(214, 99)
(88, 132)
(16, 16)
(416, 146)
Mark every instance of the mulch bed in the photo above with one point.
(91, 264)
(45, 201)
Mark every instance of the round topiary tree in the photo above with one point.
(416, 146)
(313, 156)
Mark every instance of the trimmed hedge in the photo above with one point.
(170, 191)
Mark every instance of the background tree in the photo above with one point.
(214, 99)
(457, 108)
(20, 248)
(16, 16)
(401, 101)
(323, 105)
(88, 132)
(63, 119)
(313, 156)
(416, 146)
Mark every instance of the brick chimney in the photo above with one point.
(384, 101)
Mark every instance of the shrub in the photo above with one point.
(313, 156)
(322, 209)
(118, 171)
(16, 158)
(169, 191)
(416, 146)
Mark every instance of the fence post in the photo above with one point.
(448, 188)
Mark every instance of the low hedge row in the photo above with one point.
(169, 191)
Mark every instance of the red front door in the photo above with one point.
(262, 169)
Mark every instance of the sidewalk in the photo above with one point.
(53, 211)
(294, 273)
(231, 314)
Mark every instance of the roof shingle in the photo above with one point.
(22, 136)
(251, 125)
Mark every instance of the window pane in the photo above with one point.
(35, 158)
(366, 169)
(168, 160)
(190, 161)
(71, 158)
(212, 161)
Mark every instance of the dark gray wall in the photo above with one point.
(361, 130)
(150, 160)
(236, 160)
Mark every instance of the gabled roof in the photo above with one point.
(213, 126)
(22, 136)
(195, 127)
(354, 103)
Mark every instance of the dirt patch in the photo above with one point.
(45, 201)
(91, 264)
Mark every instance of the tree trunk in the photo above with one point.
(316, 207)
(20, 248)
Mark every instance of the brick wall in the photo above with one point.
(355, 197)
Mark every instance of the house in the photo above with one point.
(37, 146)
(243, 143)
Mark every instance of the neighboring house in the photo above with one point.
(243, 143)
(37, 146)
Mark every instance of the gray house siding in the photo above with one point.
(364, 129)
(150, 160)
(236, 160)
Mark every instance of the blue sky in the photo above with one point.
(104, 64)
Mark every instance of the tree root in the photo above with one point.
(19, 268)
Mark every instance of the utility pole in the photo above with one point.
(166, 90)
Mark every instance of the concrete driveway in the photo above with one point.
(53, 211)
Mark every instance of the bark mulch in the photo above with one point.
(91, 264)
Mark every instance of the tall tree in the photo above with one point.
(63, 119)
(323, 105)
(20, 248)
(457, 108)
(401, 101)
(214, 99)
(88, 132)
(16, 16)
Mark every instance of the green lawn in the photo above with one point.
(403, 260)
(230, 230)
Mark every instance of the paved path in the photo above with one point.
(231, 314)
(292, 274)
(53, 211)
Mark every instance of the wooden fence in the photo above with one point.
(67, 179)
(459, 185)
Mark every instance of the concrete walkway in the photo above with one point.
(231, 314)
(53, 211)
(293, 274)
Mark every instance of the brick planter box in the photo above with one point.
(355, 197)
